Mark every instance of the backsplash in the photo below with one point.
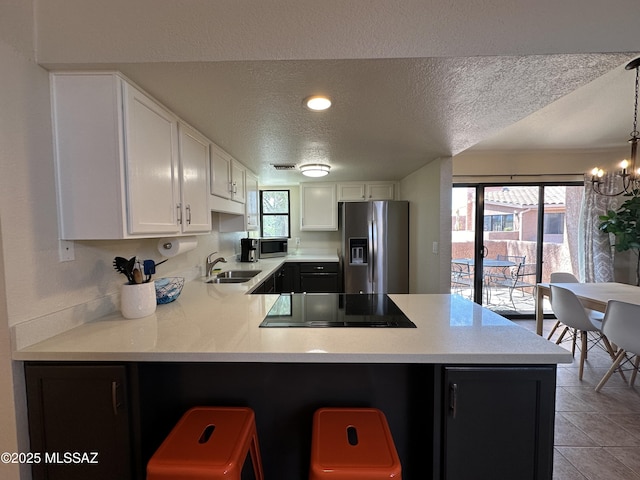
(100, 254)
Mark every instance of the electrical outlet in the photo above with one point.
(297, 241)
(434, 248)
(66, 250)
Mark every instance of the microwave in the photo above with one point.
(272, 247)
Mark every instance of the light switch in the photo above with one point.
(434, 248)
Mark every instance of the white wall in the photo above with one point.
(429, 192)
(8, 411)
(562, 164)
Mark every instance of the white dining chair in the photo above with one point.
(621, 325)
(568, 310)
(566, 277)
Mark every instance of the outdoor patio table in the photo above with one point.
(487, 263)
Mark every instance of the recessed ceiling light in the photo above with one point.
(317, 103)
(315, 169)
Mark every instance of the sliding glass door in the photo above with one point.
(507, 238)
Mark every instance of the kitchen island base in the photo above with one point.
(447, 421)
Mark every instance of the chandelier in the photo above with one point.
(629, 174)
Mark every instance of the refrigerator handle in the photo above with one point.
(373, 249)
(371, 258)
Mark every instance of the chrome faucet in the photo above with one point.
(210, 263)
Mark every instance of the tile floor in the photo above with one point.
(597, 435)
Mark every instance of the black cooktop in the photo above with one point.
(336, 310)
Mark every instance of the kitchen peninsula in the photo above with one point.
(463, 383)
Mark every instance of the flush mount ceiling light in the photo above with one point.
(317, 103)
(315, 169)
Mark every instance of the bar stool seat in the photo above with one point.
(352, 443)
(208, 443)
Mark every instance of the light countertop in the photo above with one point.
(219, 323)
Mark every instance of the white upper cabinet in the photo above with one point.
(359, 192)
(351, 192)
(232, 219)
(238, 189)
(227, 176)
(124, 169)
(220, 173)
(195, 216)
(252, 207)
(380, 191)
(116, 157)
(318, 207)
(151, 160)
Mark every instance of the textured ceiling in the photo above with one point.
(406, 87)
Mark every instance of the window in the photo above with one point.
(554, 223)
(274, 213)
(498, 223)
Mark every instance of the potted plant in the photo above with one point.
(624, 224)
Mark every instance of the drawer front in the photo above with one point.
(319, 282)
(323, 267)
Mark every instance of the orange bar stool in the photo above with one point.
(208, 443)
(352, 443)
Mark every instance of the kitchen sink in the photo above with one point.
(238, 274)
(228, 280)
(234, 276)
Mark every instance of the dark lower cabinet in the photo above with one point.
(448, 421)
(319, 278)
(498, 423)
(288, 278)
(80, 422)
(303, 277)
(268, 286)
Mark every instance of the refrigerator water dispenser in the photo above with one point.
(359, 251)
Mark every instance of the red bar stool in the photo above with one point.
(208, 443)
(352, 443)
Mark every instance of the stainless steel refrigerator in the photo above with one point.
(375, 245)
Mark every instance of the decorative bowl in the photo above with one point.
(168, 289)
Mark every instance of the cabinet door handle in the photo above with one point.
(453, 399)
(179, 207)
(114, 398)
(188, 214)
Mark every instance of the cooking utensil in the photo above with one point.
(125, 267)
(131, 264)
(120, 264)
(136, 275)
(149, 267)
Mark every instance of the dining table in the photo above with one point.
(594, 296)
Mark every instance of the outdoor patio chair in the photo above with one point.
(461, 278)
(520, 277)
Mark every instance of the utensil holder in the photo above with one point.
(138, 300)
